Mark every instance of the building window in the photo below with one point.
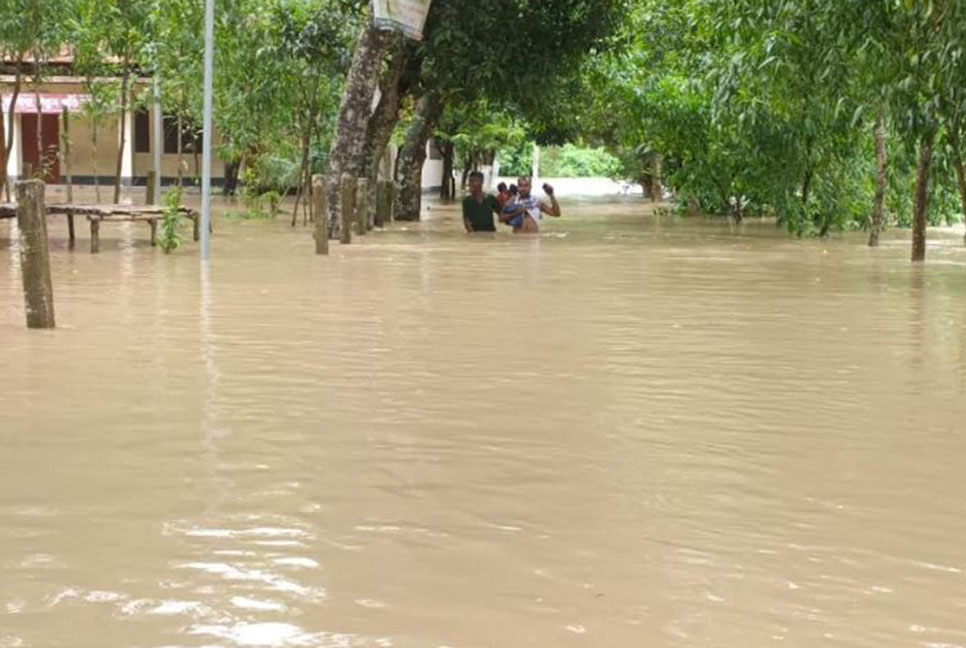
(142, 131)
(190, 135)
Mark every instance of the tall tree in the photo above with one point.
(29, 31)
(127, 36)
(346, 155)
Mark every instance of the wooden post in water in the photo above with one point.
(347, 207)
(362, 206)
(149, 197)
(95, 235)
(70, 229)
(384, 196)
(320, 201)
(38, 292)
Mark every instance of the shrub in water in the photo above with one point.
(170, 239)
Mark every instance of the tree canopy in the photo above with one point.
(822, 114)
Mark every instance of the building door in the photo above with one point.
(49, 157)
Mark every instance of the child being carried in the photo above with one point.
(511, 206)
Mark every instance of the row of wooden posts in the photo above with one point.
(353, 208)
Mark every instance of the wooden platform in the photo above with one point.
(97, 214)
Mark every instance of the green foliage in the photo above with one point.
(284, 61)
(768, 107)
(570, 161)
(516, 159)
(508, 49)
(259, 203)
(750, 107)
(478, 129)
(171, 221)
(273, 200)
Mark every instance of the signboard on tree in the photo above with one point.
(406, 16)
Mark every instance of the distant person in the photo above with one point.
(478, 207)
(502, 194)
(525, 219)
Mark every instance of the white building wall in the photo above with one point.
(432, 170)
(13, 159)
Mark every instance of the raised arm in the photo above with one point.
(553, 209)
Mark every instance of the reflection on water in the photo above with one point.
(628, 431)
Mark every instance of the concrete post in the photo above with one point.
(384, 197)
(149, 193)
(347, 206)
(362, 206)
(127, 162)
(157, 141)
(13, 161)
(320, 198)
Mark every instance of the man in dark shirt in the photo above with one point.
(478, 207)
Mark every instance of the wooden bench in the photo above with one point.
(97, 214)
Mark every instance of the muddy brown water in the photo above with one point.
(631, 431)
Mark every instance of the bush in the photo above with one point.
(570, 161)
(171, 218)
(516, 160)
(255, 199)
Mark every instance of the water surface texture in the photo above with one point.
(631, 431)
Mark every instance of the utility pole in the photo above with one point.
(158, 142)
(206, 126)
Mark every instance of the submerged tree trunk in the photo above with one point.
(880, 180)
(303, 187)
(657, 184)
(957, 157)
(123, 133)
(447, 190)
(395, 85)
(807, 186)
(346, 155)
(231, 178)
(694, 206)
(305, 175)
(921, 206)
(809, 171)
(413, 155)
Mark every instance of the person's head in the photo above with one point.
(514, 190)
(525, 186)
(501, 187)
(476, 182)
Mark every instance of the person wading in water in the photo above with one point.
(531, 209)
(478, 207)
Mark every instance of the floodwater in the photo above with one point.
(630, 431)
